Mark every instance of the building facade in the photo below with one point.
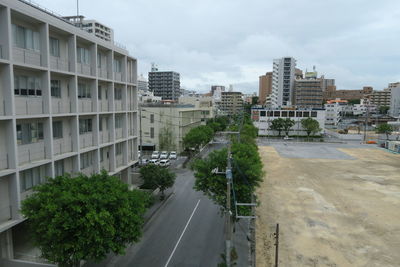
(395, 102)
(264, 87)
(332, 93)
(92, 26)
(231, 103)
(380, 98)
(203, 103)
(308, 91)
(165, 125)
(68, 104)
(334, 111)
(165, 84)
(143, 84)
(262, 119)
(283, 77)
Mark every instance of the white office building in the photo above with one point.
(68, 104)
(262, 119)
(334, 111)
(92, 26)
(283, 78)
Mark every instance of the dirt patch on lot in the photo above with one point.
(331, 212)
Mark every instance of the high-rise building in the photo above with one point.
(283, 76)
(231, 103)
(68, 104)
(380, 98)
(395, 101)
(264, 87)
(92, 26)
(143, 85)
(308, 91)
(165, 84)
(218, 88)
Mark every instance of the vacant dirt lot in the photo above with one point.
(336, 206)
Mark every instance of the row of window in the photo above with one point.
(29, 132)
(30, 178)
(301, 114)
(27, 85)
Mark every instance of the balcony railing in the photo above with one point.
(103, 73)
(118, 133)
(84, 69)
(104, 106)
(118, 76)
(85, 105)
(29, 105)
(60, 106)
(27, 56)
(118, 104)
(106, 165)
(31, 152)
(2, 108)
(5, 213)
(119, 160)
(60, 64)
(62, 146)
(4, 161)
(86, 140)
(105, 137)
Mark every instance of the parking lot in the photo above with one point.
(337, 205)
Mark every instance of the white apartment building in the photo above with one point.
(92, 26)
(164, 125)
(143, 84)
(204, 103)
(363, 107)
(395, 101)
(283, 78)
(68, 104)
(334, 112)
(262, 119)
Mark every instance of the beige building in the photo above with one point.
(332, 93)
(308, 91)
(264, 87)
(204, 103)
(380, 98)
(164, 125)
(231, 103)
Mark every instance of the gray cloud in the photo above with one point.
(234, 41)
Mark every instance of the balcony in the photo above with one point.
(84, 69)
(104, 137)
(106, 165)
(118, 76)
(86, 140)
(31, 152)
(27, 56)
(28, 105)
(5, 213)
(104, 105)
(60, 106)
(118, 105)
(118, 133)
(62, 146)
(103, 73)
(4, 161)
(59, 64)
(85, 105)
(88, 171)
(119, 160)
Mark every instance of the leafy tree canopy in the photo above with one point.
(84, 218)
(278, 125)
(287, 124)
(198, 136)
(384, 128)
(310, 125)
(157, 177)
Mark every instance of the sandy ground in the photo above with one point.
(338, 211)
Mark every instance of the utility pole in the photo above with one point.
(140, 133)
(228, 207)
(366, 122)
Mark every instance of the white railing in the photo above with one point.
(28, 105)
(119, 160)
(118, 133)
(104, 106)
(60, 106)
(85, 105)
(59, 63)
(27, 56)
(84, 69)
(31, 152)
(62, 145)
(86, 140)
(103, 73)
(105, 164)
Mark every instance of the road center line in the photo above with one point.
(183, 232)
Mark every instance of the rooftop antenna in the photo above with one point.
(77, 8)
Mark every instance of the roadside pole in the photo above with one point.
(140, 134)
(228, 207)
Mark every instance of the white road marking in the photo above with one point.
(183, 232)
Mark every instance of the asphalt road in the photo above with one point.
(187, 231)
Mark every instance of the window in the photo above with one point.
(98, 60)
(151, 132)
(101, 155)
(277, 113)
(99, 92)
(118, 149)
(118, 94)
(313, 114)
(83, 55)
(118, 121)
(56, 88)
(85, 126)
(57, 129)
(117, 65)
(291, 113)
(54, 47)
(100, 124)
(25, 38)
(86, 160)
(284, 113)
(262, 113)
(30, 178)
(306, 114)
(84, 90)
(151, 118)
(59, 168)
(29, 133)
(27, 86)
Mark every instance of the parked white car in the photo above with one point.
(154, 161)
(172, 155)
(164, 163)
(164, 155)
(155, 155)
(144, 162)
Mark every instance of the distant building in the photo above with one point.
(148, 97)
(283, 77)
(298, 73)
(264, 87)
(217, 89)
(204, 103)
(231, 103)
(92, 26)
(395, 102)
(143, 84)
(165, 84)
(364, 107)
(165, 125)
(332, 93)
(334, 111)
(327, 83)
(308, 91)
(263, 117)
(380, 98)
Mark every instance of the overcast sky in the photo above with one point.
(357, 42)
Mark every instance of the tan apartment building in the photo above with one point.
(231, 103)
(308, 91)
(332, 93)
(164, 125)
(203, 103)
(264, 87)
(380, 98)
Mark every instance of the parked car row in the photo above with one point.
(163, 155)
(161, 162)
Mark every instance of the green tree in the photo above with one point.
(278, 125)
(384, 128)
(197, 137)
(287, 124)
(157, 177)
(310, 125)
(384, 109)
(84, 218)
